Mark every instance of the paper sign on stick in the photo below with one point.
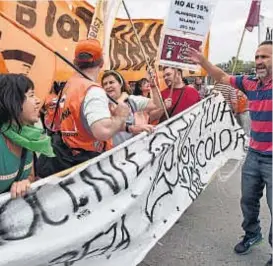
(190, 16)
(187, 26)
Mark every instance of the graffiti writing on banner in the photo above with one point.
(105, 209)
(182, 156)
(184, 149)
(116, 237)
(38, 210)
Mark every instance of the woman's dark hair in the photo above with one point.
(186, 81)
(119, 78)
(13, 88)
(138, 85)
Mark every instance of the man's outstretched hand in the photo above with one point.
(195, 56)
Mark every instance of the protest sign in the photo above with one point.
(190, 16)
(187, 26)
(175, 48)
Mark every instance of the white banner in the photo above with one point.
(114, 210)
(266, 28)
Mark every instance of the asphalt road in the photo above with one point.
(207, 232)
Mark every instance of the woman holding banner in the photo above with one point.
(115, 86)
(19, 139)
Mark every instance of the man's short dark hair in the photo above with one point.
(267, 42)
(178, 69)
(85, 65)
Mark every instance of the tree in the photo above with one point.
(242, 67)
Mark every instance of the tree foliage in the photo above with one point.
(242, 67)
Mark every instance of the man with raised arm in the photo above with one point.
(257, 169)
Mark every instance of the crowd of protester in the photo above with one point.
(84, 117)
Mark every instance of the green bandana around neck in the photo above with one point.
(31, 138)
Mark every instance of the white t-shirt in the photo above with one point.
(137, 103)
(140, 102)
(96, 105)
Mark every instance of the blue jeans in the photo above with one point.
(256, 174)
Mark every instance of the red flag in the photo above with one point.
(254, 15)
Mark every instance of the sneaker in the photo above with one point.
(269, 263)
(244, 247)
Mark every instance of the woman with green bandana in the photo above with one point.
(19, 111)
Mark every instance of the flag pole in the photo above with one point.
(253, 20)
(47, 46)
(238, 52)
(259, 31)
(259, 27)
(172, 87)
(146, 60)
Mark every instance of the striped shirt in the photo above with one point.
(228, 92)
(260, 106)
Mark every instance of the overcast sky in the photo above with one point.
(226, 29)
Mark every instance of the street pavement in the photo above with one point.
(208, 230)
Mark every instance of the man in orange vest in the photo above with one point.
(87, 124)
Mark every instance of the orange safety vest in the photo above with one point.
(73, 132)
(50, 107)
